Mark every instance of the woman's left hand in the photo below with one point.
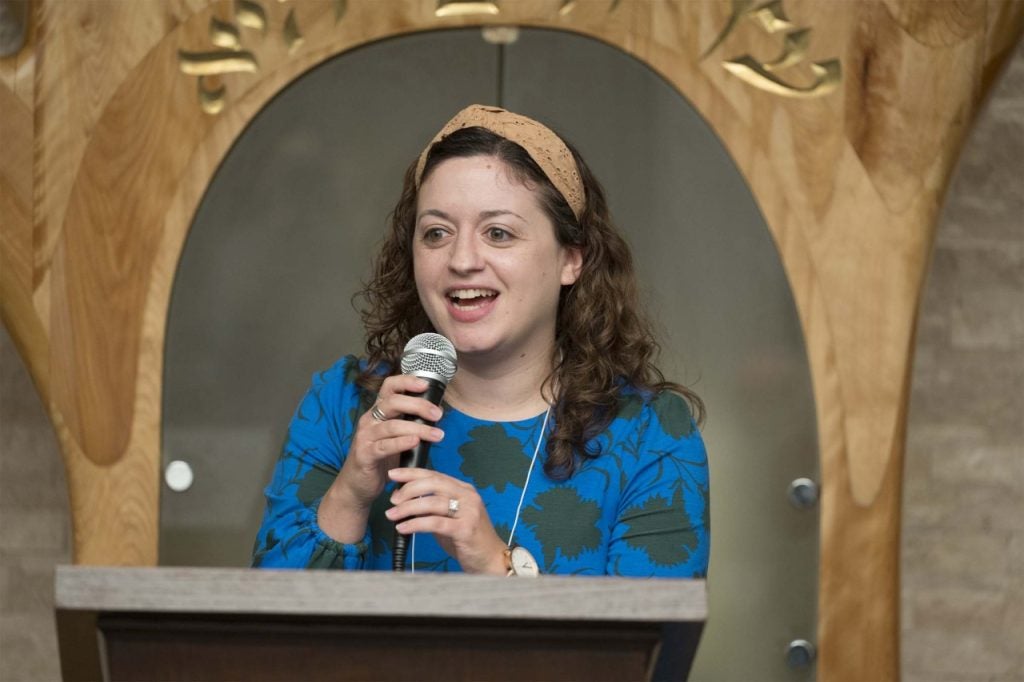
(422, 505)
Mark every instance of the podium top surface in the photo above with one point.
(374, 593)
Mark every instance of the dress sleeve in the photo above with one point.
(662, 527)
(318, 439)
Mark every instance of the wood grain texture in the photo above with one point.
(101, 198)
(17, 87)
(352, 649)
(374, 593)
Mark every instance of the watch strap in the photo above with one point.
(509, 570)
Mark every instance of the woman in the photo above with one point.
(502, 242)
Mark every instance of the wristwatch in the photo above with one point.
(520, 562)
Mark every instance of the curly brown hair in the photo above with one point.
(605, 340)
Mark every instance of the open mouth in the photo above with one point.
(470, 299)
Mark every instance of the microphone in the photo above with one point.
(430, 357)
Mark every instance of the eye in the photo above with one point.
(432, 235)
(498, 234)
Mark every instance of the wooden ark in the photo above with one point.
(845, 119)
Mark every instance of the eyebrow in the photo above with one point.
(484, 215)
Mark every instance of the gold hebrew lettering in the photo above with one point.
(211, 100)
(251, 15)
(740, 8)
(826, 77)
(223, 34)
(463, 8)
(771, 16)
(794, 49)
(340, 7)
(567, 7)
(292, 35)
(213, 63)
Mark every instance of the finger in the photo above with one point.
(381, 438)
(400, 405)
(389, 447)
(419, 488)
(393, 428)
(438, 485)
(439, 525)
(436, 505)
(416, 482)
(402, 383)
(383, 443)
(408, 474)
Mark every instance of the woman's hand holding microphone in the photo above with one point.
(381, 436)
(428, 502)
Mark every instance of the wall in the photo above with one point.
(963, 514)
(34, 525)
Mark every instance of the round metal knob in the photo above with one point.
(501, 35)
(178, 476)
(800, 653)
(803, 493)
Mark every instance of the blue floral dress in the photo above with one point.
(638, 509)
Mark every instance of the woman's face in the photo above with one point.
(487, 265)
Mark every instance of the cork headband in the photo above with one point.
(544, 147)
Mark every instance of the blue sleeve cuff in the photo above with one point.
(329, 553)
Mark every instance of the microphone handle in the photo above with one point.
(416, 457)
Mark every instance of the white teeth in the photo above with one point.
(472, 293)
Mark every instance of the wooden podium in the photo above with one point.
(257, 624)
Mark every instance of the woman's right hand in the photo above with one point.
(375, 449)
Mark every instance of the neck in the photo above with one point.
(506, 391)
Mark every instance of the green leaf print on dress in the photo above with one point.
(492, 458)
(654, 528)
(268, 545)
(562, 520)
(314, 484)
(673, 415)
(629, 406)
(502, 530)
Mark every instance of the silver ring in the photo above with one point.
(377, 414)
(453, 507)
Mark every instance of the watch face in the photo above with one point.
(523, 564)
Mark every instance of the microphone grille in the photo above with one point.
(431, 355)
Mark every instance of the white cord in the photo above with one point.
(526, 483)
(412, 560)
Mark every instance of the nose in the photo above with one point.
(465, 253)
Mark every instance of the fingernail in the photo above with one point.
(437, 413)
(390, 513)
(437, 433)
(391, 473)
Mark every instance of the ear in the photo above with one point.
(572, 263)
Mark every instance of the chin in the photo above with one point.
(470, 346)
